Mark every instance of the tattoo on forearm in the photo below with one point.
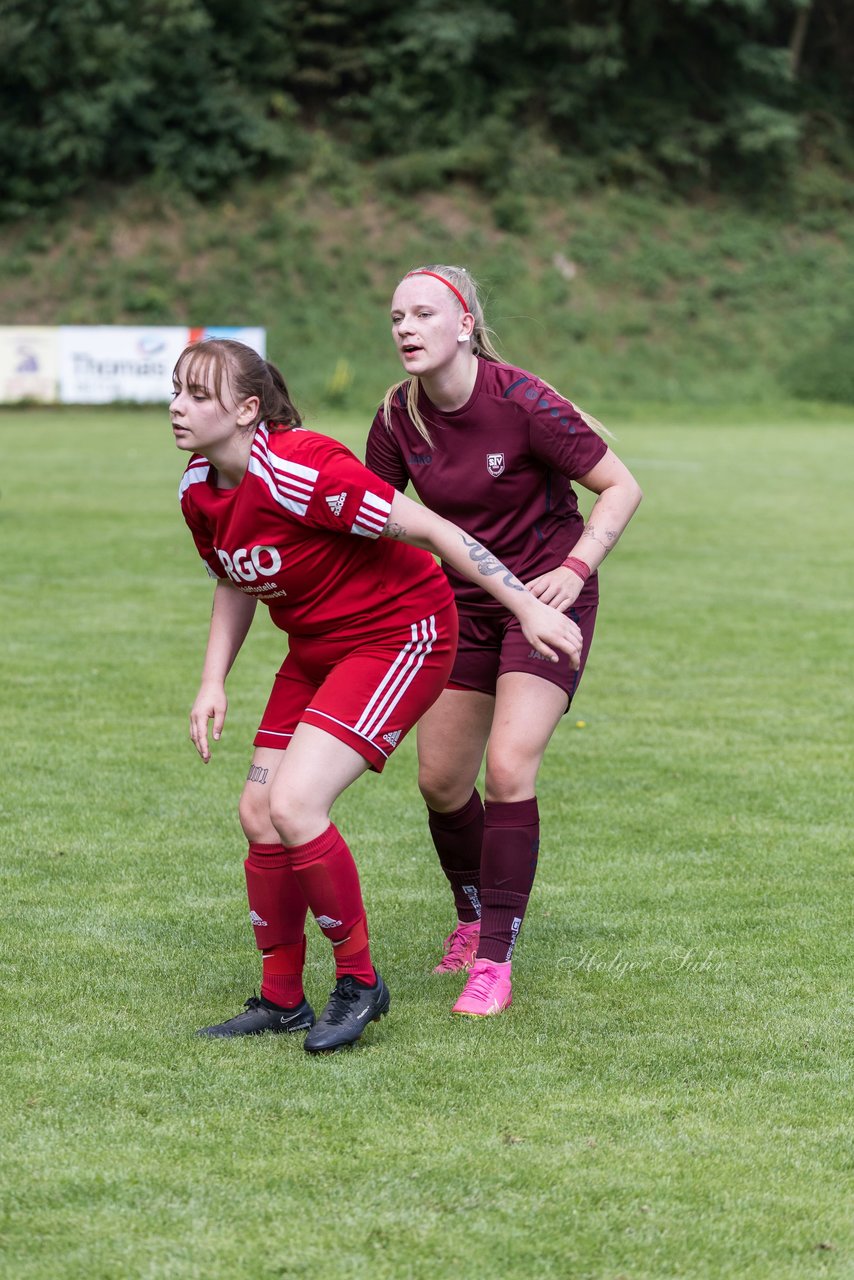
(257, 774)
(489, 565)
(394, 530)
(605, 537)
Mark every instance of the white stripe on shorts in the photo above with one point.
(398, 678)
(314, 711)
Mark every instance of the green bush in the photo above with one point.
(511, 213)
(424, 170)
(826, 371)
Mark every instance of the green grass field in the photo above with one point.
(667, 1096)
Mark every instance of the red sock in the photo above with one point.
(277, 910)
(281, 976)
(511, 841)
(458, 838)
(328, 877)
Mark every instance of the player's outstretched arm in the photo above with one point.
(544, 628)
(231, 619)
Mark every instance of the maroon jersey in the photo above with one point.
(500, 467)
(302, 533)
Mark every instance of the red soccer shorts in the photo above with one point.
(367, 693)
(493, 643)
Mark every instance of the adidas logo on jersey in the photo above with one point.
(392, 738)
(255, 919)
(336, 503)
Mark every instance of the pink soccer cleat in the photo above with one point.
(487, 991)
(460, 948)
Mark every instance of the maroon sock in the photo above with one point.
(277, 910)
(511, 841)
(328, 877)
(458, 838)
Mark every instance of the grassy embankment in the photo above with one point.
(617, 298)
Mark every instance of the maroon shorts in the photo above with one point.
(491, 644)
(368, 693)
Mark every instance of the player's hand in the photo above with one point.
(559, 587)
(547, 629)
(211, 704)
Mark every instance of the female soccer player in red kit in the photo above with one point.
(292, 518)
(496, 450)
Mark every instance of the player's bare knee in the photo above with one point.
(508, 780)
(441, 792)
(295, 819)
(254, 813)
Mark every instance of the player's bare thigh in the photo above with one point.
(528, 709)
(315, 769)
(452, 738)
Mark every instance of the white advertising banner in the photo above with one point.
(29, 364)
(100, 364)
(104, 364)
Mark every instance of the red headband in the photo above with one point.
(453, 288)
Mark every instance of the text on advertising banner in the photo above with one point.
(102, 364)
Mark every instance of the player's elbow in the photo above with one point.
(635, 495)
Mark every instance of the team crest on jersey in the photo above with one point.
(495, 464)
(336, 503)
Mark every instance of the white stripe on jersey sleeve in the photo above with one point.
(294, 470)
(193, 476)
(372, 516)
(290, 483)
(298, 505)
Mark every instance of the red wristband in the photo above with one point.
(578, 567)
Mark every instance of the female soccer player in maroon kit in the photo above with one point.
(497, 450)
(292, 518)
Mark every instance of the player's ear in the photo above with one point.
(248, 412)
(466, 327)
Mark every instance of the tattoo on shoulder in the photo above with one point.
(489, 565)
(394, 530)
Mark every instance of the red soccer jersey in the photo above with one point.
(500, 467)
(302, 533)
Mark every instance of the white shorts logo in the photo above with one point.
(495, 464)
(326, 922)
(392, 738)
(256, 919)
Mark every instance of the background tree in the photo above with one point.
(202, 91)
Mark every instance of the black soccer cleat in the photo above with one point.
(259, 1016)
(351, 1007)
